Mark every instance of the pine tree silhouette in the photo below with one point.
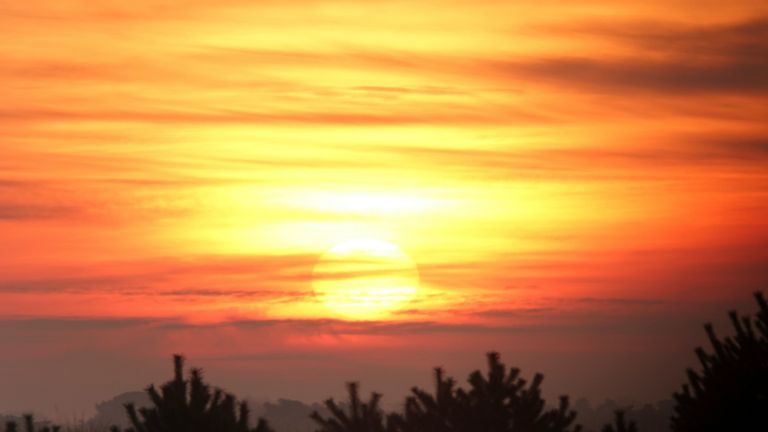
(360, 417)
(428, 413)
(620, 424)
(190, 406)
(730, 393)
(29, 426)
(498, 402)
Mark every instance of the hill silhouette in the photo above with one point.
(112, 412)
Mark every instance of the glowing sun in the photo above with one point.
(365, 278)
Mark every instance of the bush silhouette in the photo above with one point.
(190, 406)
(730, 392)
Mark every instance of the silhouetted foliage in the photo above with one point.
(730, 392)
(358, 417)
(498, 402)
(439, 412)
(620, 424)
(190, 406)
(29, 426)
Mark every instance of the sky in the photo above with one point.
(577, 185)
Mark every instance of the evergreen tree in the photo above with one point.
(620, 424)
(730, 392)
(190, 406)
(359, 417)
(440, 412)
(29, 426)
(498, 402)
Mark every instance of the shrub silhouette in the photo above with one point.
(359, 417)
(620, 424)
(190, 406)
(730, 393)
(29, 426)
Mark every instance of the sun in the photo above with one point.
(365, 278)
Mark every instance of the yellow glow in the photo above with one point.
(245, 138)
(365, 203)
(365, 278)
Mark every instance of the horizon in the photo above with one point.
(299, 194)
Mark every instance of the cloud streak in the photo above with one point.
(724, 58)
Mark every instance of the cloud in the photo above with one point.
(663, 57)
(342, 327)
(355, 117)
(311, 356)
(72, 323)
(637, 161)
(114, 12)
(736, 148)
(554, 320)
(64, 284)
(711, 41)
(680, 76)
(258, 276)
(23, 200)
(617, 301)
(31, 200)
(21, 212)
(678, 59)
(513, 312)
(265, 277)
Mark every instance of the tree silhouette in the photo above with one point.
(29, 426)
(190, 406)
(498, 402)
(425, 412)
(360, 416)
(730, 393)
(620, 424)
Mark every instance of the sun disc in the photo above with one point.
(365, 278)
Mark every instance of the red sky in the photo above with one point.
(578, 185)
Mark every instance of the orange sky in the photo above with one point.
(580, 185)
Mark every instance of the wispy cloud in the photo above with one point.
(21, 212)
(51, 324)
(668, 58)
